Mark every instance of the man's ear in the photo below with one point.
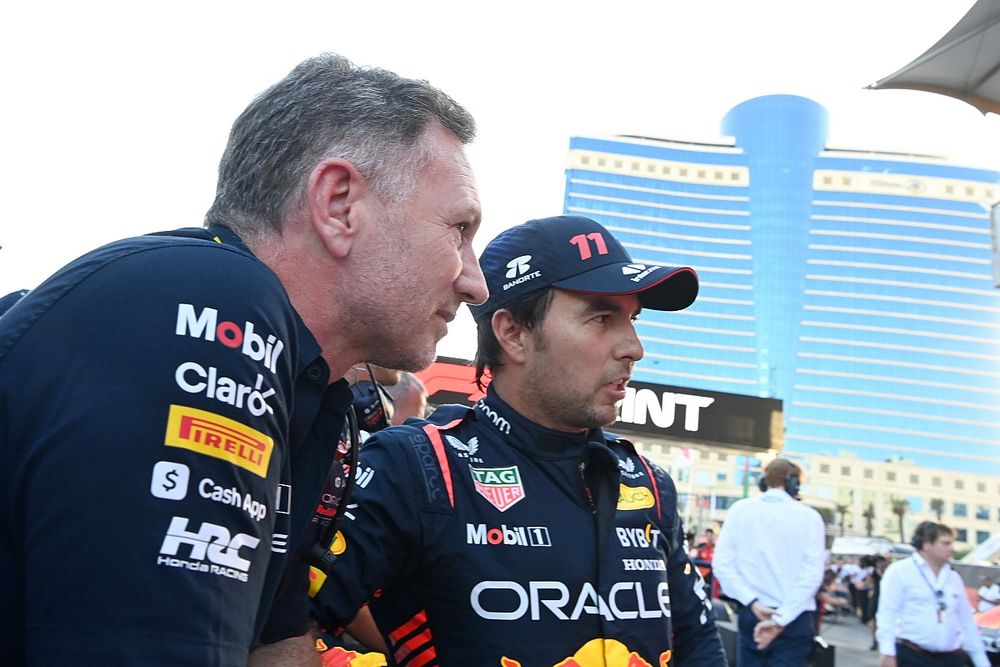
(334, 188)
(511, 336)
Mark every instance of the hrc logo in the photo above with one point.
(216, 436)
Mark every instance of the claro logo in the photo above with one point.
(206, 325)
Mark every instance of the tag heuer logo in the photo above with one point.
(501, 486)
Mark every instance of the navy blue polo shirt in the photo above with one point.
(481, 538)
(163, 413)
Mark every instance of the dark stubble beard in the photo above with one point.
(563, 411)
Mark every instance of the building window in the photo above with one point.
(961, 535)
(651, 167)
(664, 169)
(734, 175)
(890, 476)
(703, 454)
(723, 457)
(725, 502)
(845, 471)
(720, 477)
(959, 484)
(828, 180)
(824, 467)
(635, 166)
(585, 159)
(701, 173)
(914, 479)
(935, 481)
(950, 189)
(683, 171)
(981, 487)
(869, 473)
(618, 164)
(718, 175)
(960, 509)
(601, 161)
(916, 503)
(983, 512)
(982, 536)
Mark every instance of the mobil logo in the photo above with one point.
(205, 324)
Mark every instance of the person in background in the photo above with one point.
(770, 558)
(7, 301)
(924, 618)
(989, 595)
(409, 398)
(171, 405)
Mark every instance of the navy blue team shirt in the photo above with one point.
(481, 538)
(165, 430)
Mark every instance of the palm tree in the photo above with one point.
(842, 514)
(937, 506)
(899, 508)
(869, 515)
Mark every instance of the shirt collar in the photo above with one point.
(778, 493)
(309, 351)
(530, 437)
(923, 564)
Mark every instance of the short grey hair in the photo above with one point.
(327, 107)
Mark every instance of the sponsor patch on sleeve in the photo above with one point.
(219, 437)
(634, 497)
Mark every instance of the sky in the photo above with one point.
(115, 114)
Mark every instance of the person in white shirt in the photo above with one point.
(770, 557)
(924, 618)
(989, 595)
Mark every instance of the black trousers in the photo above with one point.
(908, 657)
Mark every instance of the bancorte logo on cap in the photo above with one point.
(518, 268)
(576, 254)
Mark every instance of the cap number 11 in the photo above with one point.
(582, 243)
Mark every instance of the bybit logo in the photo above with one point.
(518, 266)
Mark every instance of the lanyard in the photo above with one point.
(938, 593)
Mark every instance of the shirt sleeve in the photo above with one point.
(971, 640)
(890, 602)
(696, 641)
(808, 579)
(151, 408)
(724, 563)
(381, 532)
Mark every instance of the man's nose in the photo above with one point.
(471, 284)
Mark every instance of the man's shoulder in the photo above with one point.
(417, 434)
(141, 283)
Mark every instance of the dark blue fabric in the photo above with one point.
(140, 388)
(532, 560)
(791, 648)
(907, 657)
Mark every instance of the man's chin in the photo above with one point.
(413, 360)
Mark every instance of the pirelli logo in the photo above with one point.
(214, 435)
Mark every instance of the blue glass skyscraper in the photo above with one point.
(853, 285)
